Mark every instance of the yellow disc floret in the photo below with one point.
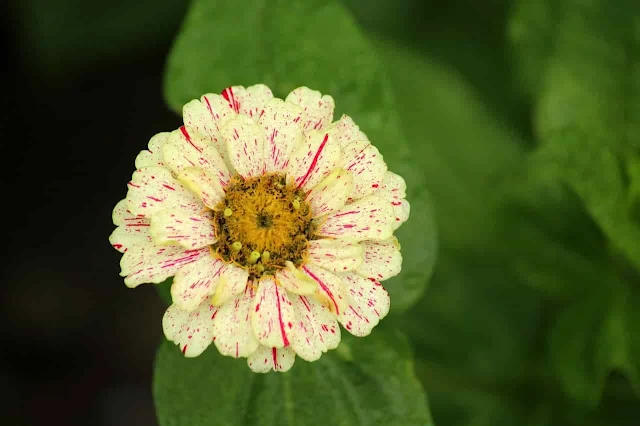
(263, 223)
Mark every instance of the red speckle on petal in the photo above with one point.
(184, 349)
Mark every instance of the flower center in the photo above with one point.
(262, 224)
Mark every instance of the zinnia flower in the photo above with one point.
(275, 222)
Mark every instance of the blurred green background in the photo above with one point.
(522, 116)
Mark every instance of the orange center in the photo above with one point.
(262, 223)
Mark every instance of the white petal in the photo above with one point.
(335, 255)
(295, 281)
(318, 109)
(191, 231)
(133, 230)
(232, 282)
(184, 150)
(345, 131)
(153, 156)
(232, 326)
(382, 260)
(266, 359)
(195, 283)
(204, 184)
(332, 193)
(332, 291)
(368, 304)
(245, 144)
(205, 117)
(317, 330)
(149, 263)
(152, 189)
(314, 159)
(272, 315)
(249, 101)
(368, 218)
(394, 190)
(191, 331)
(365, 162)
(282, 125)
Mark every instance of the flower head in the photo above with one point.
(275, 222)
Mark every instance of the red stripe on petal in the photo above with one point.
(285, 340)
(315, 160)
(324, 287)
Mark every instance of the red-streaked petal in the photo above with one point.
(150, 263)
(394, 190)
(318, 109)
(331, 288)
(132, 229)
(282, 124)
(204, 184)
(152, 189)
(205, 117)
(295, 281)
(368, 304)
(330, 194)
(194, 283)
(313, 160)
(249, 101)
(184, 150)
(272, 315)
(382, 260)
(266, 359)
(153, 156)
(345, 131)
(365, 162)
(368, 218)
(191, 231)
(317, 330)
(233, 281)
(245, 144)
(232, 326)
(191, 331)
(335, 255)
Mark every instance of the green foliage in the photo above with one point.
(365, 382)
(586, 55)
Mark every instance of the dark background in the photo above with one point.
(82, 96)
(77, 344)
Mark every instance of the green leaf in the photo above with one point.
(365, 382)
(587, 113)
(531, 33)
(475, 318)
(596, 335)
(317, 44)
(553, 244)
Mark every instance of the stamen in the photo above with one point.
(228, 212)
(253, 257)
(266, 256)
(296, 204)
(237, 246)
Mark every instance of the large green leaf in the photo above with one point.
(317, 44)
(596, 335)
(366, 382)
(476, 318)
(587, 57)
